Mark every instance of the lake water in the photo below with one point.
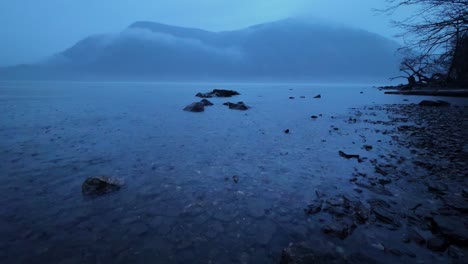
(179, 203)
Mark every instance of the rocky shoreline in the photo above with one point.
(421, 197)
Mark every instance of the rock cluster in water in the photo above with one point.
(200, 106)
(218, 93)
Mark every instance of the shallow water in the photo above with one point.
(179, 203)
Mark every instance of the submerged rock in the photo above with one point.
(318, 96)
(414, 235)
(218, 93)
(313, 208)
(339, 229)
(100, 185)
(304, 252)
(451, 227)
(437, 243)
(237, 106)
(434, 103)
(195, 107)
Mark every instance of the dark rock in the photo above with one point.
(206, 102)
(465, 193)
(349, 156)
(339, 229)
(385, 181)
(437, 243)
(306, 252)
(286, 131)
(291, 97)
(235, 178)
(318, 96)
(451, 227)
(437, 187)
(237, 106)
(100, 185)
(380, 171)
(218, 93)
(361, 213)
(368, 147)
(413, 235)
(377, 189)
(385, 216)
(314, 208)
(195, 107)
(457, 202)
(434, 103)
(314, 117)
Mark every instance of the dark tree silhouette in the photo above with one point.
(438, 32)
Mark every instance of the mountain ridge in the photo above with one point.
(284, 49)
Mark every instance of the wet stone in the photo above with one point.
(413, 235)
(453, 228)
(459, 203)
(305, 252)
(433, 103)
(349, 156)
(313, 208)
(339, 229)
(257, 208)
(218, 93)
(195, 107)
(368, 147)
(237, 106)
(225, 214)
(206, 102)
(100, 185)
(266, 232)
(437, 243)
(465, 193)
(386, 217)
(437, 187)
(381, 171)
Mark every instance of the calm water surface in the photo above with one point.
(179, 203)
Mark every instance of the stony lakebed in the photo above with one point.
(278, 173)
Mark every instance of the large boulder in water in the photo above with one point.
(218, 93)
(237, 106)
(100, 185)
(195, 107)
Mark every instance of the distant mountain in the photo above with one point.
(286, 49)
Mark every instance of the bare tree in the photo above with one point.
(437, 29)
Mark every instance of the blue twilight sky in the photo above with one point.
(33, 29)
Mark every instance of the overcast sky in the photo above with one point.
(33, 29)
